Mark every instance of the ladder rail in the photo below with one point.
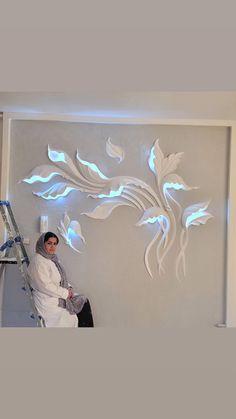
(19, 250)
(18, 233)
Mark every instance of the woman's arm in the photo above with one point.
(42, 280)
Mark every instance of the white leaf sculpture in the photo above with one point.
(196, 214)
(90, 170)
(69, 229)
(102, 211)
(193, 215)
(56, 191)
(161, 165)
(44, 173)
(61, 159)
(66, 220)
(113, 187)
(155, 159)
(155, 215)
(114, 151)
(157, 206)
(76, 228)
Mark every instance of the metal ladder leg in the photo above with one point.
(20, 255)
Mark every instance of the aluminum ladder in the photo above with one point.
(15, 243)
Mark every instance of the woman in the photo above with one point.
(54, 298)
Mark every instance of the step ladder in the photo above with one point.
(15, 244)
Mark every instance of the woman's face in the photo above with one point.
(51, 245)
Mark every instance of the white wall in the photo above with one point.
(110, 271)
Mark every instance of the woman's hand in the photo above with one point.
(70, 292)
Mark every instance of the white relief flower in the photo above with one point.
(193, 215)
(157, 207)
(70, 230)
(104, 210)
(196, 214)
(160, 165)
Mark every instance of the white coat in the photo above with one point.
(45, 281)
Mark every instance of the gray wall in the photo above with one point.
(110, 270)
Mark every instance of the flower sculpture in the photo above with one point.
(70, 229)
(155, 205)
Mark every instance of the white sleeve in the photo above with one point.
(41, 280)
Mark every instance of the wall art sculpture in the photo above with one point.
(70, 229)
(157, 207)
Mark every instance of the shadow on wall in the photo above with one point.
(16, 308)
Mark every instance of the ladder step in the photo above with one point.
(12, 260)
(6, 203)
(10, 242)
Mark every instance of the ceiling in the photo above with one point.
(201, 105)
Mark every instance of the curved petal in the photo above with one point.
(62, 160)
(114, 151)
(75, 229)
(90, 170)
(56, 191)
(156, 158)
(201, 219)
(43, 174)
(173, 181)
(170, 163)
(196, 214)
(112, 189)
(153, 215)
(66, 220)
(63, 233)
(147, 251)
(102, 211)
(69, 230)
(115, 186)
(160, 165)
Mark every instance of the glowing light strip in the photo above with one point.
(176, 186)
(37, 178)
(112, 193)
(65, 193)
(92, 166)
(151, 220)
(194, 216)
(56, 156)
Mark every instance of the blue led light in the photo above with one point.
(112, 194)
(92, 166)
(151, 220)
(37, 178)
(176, 186)
(151, 161)
(72, 232)
(67, 190)
(56, 156)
